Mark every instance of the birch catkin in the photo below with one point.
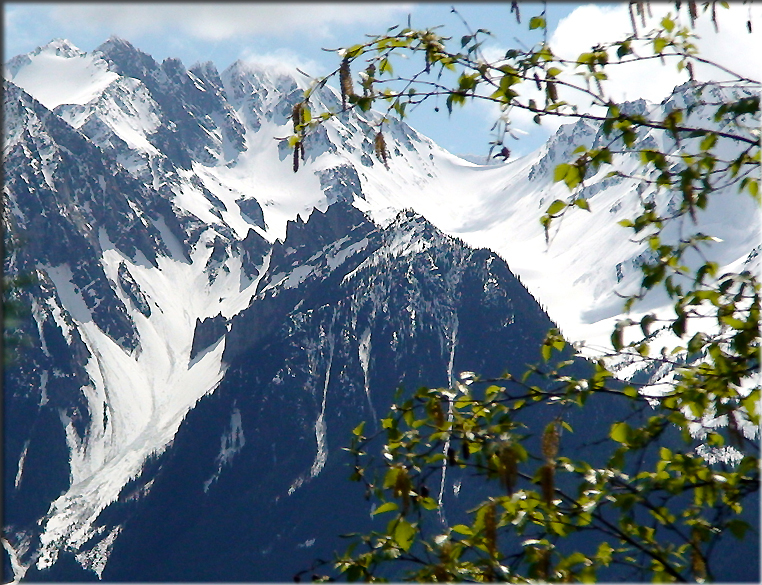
(381, 151)
(490, 529)
(296, 114)
(550, 442)
(508, 469)
(296, 156)
(345, 82)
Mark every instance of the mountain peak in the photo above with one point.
(56, 48)
(274, 74)
(124, 57)
(61, 48)
(60, 73)
(116, 42)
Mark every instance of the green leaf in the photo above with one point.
(575, 559)
(696, 343)
(582, 204)
(455, 98)
(751, 404)
(462, 529)
(385, 67)
(645, 323)
(679, 326)
(491, 392)
(387, 507)
(404, 532)
(624, 49)
(738, 528)
(556, 206)
(573, 176)
(364, 103)
(391, 477)
(753, 187)
(587, 574)
(560, 172)
(616, 338)
(667, 23)
(561, 528)
(604, 553)
(536, 22)
(708, 142)
(357, 431)
(352, 572)
(620, 432)
(355, 51)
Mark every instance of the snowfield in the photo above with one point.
(60, 73)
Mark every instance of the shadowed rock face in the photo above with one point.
(305, 365)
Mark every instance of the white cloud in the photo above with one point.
(219, 21)
(732, 46)
(283, 61)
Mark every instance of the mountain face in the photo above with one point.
(200, 328)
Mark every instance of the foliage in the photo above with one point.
(671, 473)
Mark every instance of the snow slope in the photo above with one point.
(137, 401)
(59, 73)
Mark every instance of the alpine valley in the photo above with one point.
(199, 328)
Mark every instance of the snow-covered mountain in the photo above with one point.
(205, 327)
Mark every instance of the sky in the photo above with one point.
(296, 34)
